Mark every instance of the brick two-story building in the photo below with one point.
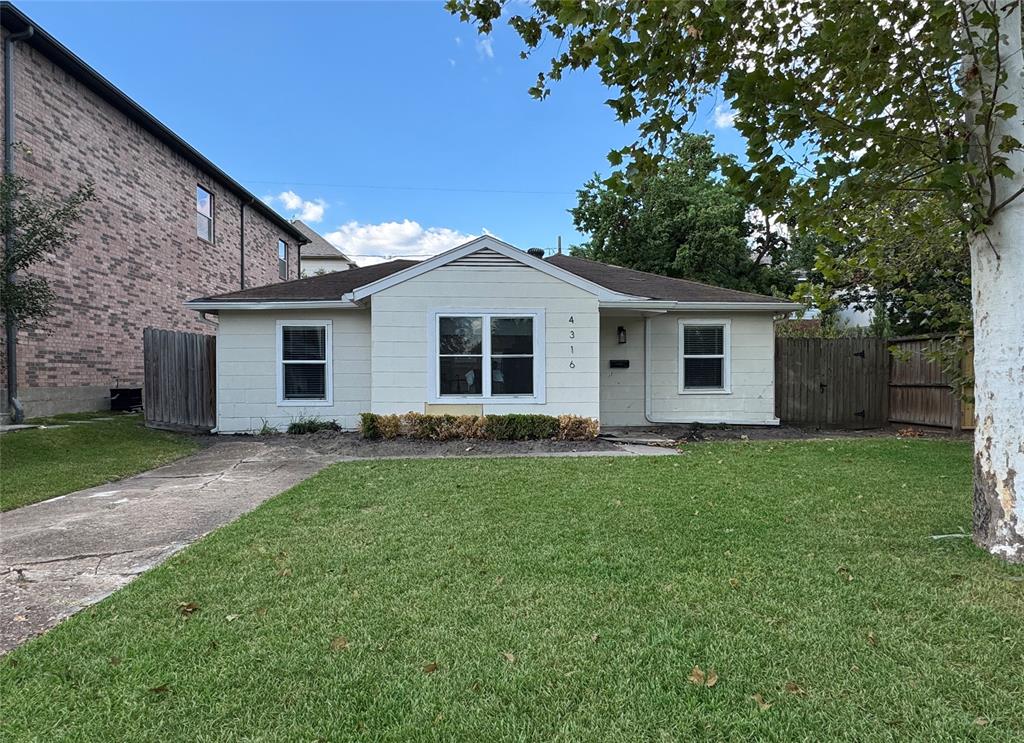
(166, 225)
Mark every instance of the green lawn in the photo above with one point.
(40, 463)
(562, 599)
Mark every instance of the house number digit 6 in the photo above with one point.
(572, 364)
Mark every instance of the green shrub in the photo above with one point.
(312, 424)
(520, 427)
(369, 425)
(512, 427)
(577, 428)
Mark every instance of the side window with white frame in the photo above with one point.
(204, 214)
(488, 355)
(304, 362)
(704, 356)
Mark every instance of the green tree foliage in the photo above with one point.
(683, 219)
(37, 228)
(906, 259)
(833, 97)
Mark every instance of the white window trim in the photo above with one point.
(328, 371)
(434, 395)
(726, 388)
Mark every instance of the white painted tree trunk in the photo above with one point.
(997, 276)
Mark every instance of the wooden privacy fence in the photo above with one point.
(180, 385)
(840, 382)
(921, 391)
(868, 382)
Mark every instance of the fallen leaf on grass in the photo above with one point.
(844, 573)
(339, 643)
(232, 617)
(261, 612)
(595, 637)
(430, 668)
(284, 572)
(872, 639)
(794, 688)
(114, 660)
(699, 678)
(162, 689)
(981, 721)
(187, 609)
(762, 705)
(734, 582)
(507, 655)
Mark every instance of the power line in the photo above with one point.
(442, 189)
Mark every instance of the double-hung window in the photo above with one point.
(282, 259)
(704, 356)
(488, 355)
(304, 362)
(204, 214)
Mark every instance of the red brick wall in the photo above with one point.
(137, 256)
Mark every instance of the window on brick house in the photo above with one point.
(204, 214)
(282, 259)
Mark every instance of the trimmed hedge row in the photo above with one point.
(512, 427)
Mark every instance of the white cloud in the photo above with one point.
(451, 61)
(458, 41)
(299, 208)
(485, 48)
(368, 244)
(725, 117)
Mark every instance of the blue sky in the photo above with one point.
(393, 127)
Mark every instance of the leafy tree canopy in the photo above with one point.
(683, 219)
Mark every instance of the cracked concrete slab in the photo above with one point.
(61, 555)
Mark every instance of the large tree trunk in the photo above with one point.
(997, 276)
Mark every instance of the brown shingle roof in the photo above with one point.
(651, 285)
(318, 247)
(327, 287)
(332, 286)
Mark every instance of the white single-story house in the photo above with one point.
(486, 328)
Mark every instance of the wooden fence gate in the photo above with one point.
(180, 385)
(840, 382)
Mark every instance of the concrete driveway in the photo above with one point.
(61, 555)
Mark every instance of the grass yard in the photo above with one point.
(40, 463)
(562, 599)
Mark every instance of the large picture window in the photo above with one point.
(304, 362)
(703, 356)
(489, 355)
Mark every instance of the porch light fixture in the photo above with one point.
(622, 334)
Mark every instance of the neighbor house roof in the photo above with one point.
(16, 21)
(327, 287)
(651, 285)
(318, 247)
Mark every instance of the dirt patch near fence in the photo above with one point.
(354, 445)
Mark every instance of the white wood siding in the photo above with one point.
(751, 401)
(247, 369)
(402, 316)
